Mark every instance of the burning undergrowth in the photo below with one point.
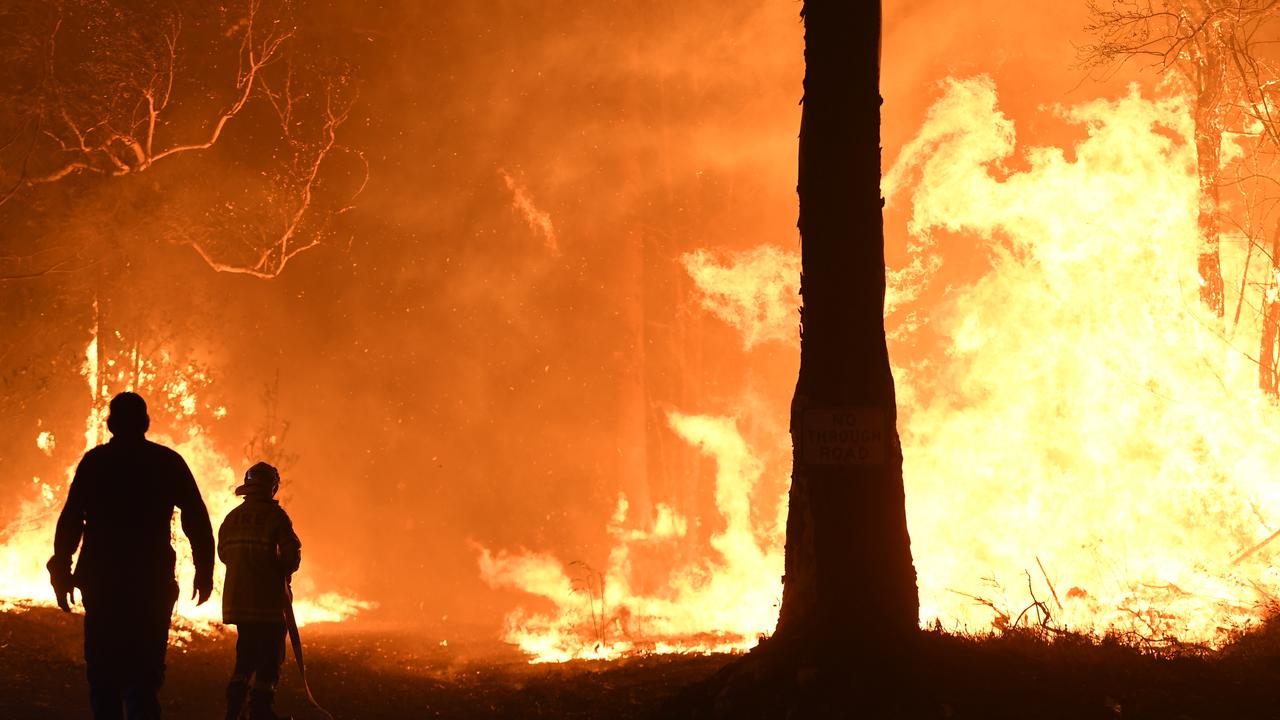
(716, 603)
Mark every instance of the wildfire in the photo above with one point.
(1097, 435)
(716, 603)
(754, 291)
(28, 540)
(1088, 448)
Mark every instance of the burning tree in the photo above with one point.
(1186, 36)
(1219, 48)
(95, 91)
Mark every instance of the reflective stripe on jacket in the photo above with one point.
(261, 551)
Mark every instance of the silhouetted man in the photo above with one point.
(121, 502)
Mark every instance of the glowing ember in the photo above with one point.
(539, 220)
(28, 540)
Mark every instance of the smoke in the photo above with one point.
(473, 356)
(479, 356)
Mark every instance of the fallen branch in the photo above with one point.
(1269, 539)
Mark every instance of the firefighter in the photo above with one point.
(120, 503)
(261, 552)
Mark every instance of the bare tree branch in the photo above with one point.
(127, 90)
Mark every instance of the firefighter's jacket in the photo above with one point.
(121, 502)
(261, 551)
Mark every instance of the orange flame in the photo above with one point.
(1097, 436)
(28, 539)
(718, 603)
(1089, 446)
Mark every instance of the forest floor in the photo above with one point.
(366, 671)
(358, 671)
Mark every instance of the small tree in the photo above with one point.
(1221, 49)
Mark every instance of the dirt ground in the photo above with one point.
(358, 671)
(363, 671)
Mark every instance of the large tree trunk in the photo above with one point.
(849, 602)
(850, 585)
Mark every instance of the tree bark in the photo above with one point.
(850, 585)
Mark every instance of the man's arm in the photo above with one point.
(198, 529)
(290, 546)
(66, 538)
(222, 535)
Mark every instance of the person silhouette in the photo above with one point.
(121, 503)
(261, 551)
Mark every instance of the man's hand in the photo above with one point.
(203, 588)
(64, 588)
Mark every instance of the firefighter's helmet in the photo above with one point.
(260, 478)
